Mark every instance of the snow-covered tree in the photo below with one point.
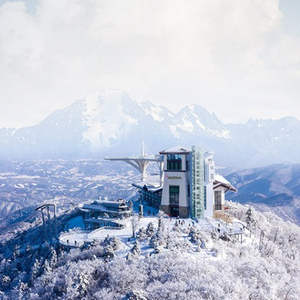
(108, 253)
(53, 258)
(47, 268)
(194, 235)
(150, 229)
(35, 271)
(5, 281)
(136, 249)
(161, 225)
(250, 221)
(82, 285)
(113, 242)
(135, 295)
(134, 224)
(141, 234)
(176, 227)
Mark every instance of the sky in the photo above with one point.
(239, 59)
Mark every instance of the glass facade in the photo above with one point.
(153, 198)
(174, 162)
(197, 184)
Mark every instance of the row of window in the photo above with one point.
(174, 162)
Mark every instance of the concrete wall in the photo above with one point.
(209, 171)
(175, 178)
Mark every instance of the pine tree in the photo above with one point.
(5, 281)
(195, 235)
(83, 284)
(20, 289)
(115, 243)
(250, 220)
(136, 250)
(108, 253)
(150, 229)
(136, 295)
(16, 251)
(248, 217)
(35, 271)
(53, 258)
(28, 248)
(161, 225)
(134, 224)
(141, 234)
(153, 241)
(47, 268)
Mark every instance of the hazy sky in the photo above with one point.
(237, 58)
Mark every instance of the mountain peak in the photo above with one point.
(109, 97)
(111, 122)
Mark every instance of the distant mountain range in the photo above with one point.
(110, 123)
(273, 188)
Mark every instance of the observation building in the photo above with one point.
(188, 185)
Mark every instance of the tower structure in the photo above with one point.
(176, 185)
(47, 228)
(140, 162)
(191, 187)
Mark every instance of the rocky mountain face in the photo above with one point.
(273, 188)
(110, 123)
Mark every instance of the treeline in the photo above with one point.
(169, 264)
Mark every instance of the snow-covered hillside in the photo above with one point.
(168, 259)
(109, 122)
(273, 188)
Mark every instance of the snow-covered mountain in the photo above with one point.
(273, 188)
(109, 122)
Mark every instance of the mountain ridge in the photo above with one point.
(110, 122)
(273, 188)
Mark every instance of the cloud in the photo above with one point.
(224, 55)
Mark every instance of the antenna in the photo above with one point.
(142, 148)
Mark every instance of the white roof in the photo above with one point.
(220, 178)
(221, 181)
(176, 150)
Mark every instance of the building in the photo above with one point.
(176, 182)
(190, 187)
(150, 194)
(105, 214)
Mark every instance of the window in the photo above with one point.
(174, 194)
(205, 197)
(174, 162)
(218, 200)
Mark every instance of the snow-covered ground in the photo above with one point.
(77, 237)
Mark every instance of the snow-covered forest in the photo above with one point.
(161, 262)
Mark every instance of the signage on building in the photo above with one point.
(173, 177)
